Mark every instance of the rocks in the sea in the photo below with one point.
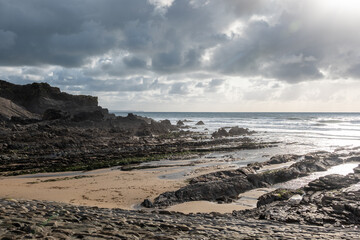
(237, 131)
(180, 123)
(234, 131)
(166, 123)
(220, 133)
(199, 123)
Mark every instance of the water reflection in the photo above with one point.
(342, 169)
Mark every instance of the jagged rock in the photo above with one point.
(147, 203)
(36, 98)
(222, 190)
(200, 123)
(53, 114)
(237, 131)
(327, 200)
(229, 184)
(220, 133)
(180, 123)
(166, 122)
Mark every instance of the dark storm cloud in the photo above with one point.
(134, 62)
(65, 32)
(7, 39)
(128, 40)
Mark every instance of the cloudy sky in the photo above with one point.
(188, 55)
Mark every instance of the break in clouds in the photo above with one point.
(147, 55)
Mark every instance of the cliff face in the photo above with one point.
(9, 109)
(38, 97)
(36, 102)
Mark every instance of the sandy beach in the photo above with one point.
(107, 188)
(112, 189)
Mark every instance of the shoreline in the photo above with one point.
(98, 188)
(113, 188)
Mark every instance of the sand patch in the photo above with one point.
(112, 189)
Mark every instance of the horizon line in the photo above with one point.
(130, 111)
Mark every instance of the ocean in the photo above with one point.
(298, 132)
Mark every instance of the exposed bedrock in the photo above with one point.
(36, 102)
(333, 199)
(225, 186)
(234, 131)
(50, 220)
(38, 97)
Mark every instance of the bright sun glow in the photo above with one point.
(344, 7)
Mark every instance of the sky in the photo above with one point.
(189, 55)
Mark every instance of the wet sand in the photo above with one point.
(122, 189)
(103, 188)
(113, 189)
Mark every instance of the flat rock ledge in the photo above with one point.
(225, 186)
(21, 219)
(332, 200)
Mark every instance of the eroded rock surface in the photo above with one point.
(225, 186)
(329, 200)
(50, 220)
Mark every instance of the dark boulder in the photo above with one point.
(220, 191)
(200, 123)
(220, 133)
(237, 131)
(166, 122)
(180, 123)
(147, 204)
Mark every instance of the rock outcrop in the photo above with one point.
(180, 123)
(199, 123)
(237, 131)
(227, 185)
(234, 131)
(37, 98)
(330, 200)
(220, 133)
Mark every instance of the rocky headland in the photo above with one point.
(43, 129)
